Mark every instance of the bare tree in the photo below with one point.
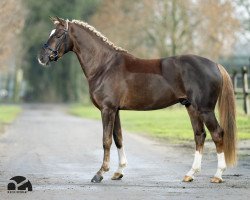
(216, 32)
(169, 27)
(244, 16)
(121, 22)
(12, 17)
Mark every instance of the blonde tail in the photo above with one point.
(227, 113)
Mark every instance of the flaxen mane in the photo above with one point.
(98, 34)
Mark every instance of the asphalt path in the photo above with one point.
(59, 154)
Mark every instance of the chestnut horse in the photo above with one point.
(120, 81)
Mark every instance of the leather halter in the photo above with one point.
(54, 56)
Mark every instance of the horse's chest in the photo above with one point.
(94, 100)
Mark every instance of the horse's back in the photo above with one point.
(153, 84)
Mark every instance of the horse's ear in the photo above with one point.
(57, 20)
(54, 20)
(61, 21)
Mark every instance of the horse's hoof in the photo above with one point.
(97, 178)
(117, 176)
(216, 180)
(187, 179)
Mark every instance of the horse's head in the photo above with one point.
(58, 43)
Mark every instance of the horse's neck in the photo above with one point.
(92, 53)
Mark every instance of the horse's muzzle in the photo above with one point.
(54, 56)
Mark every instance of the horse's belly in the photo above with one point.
(147, 93)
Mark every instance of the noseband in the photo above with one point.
(54, 56)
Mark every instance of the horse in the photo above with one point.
(118, 80)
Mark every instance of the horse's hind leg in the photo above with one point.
(217, 136)
(117, 134)
(199, 136)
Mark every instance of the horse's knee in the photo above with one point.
(107, 143)
(200, 137)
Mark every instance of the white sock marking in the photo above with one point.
(196, 167)
(122, 160)
(221, 165)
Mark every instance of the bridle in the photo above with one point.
(54, 56)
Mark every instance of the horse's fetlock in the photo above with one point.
(122, 165)
(105, 168)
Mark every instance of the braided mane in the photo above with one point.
(98, 34)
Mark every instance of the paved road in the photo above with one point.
(60, 153)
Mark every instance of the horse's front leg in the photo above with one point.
(108, 118)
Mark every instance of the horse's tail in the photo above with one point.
(227, 113)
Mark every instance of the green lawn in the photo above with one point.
(171, 123)
(8, 113)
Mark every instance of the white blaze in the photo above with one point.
(52, 32)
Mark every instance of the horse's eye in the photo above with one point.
(59, 35)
